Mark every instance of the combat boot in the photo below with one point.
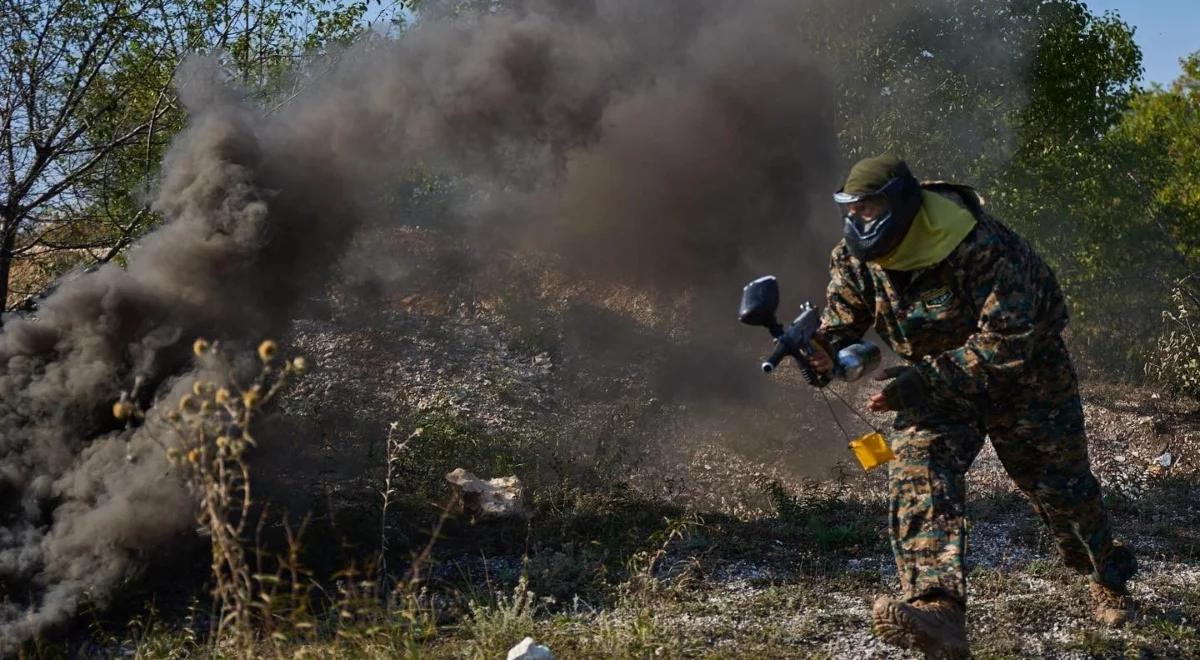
(1114, 606)
(936, 627)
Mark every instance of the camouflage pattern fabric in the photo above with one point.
(983, 326)
(968, 321)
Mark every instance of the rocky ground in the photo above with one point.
(770, 548)
(680, 504)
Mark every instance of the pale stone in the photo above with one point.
(499, 497)
(529, 650)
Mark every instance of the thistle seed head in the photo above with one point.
(267, 350)
(122, 410)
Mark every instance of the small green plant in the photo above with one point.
(646, 570)
(827, 522)
(1172, 631)
(532, 325)
(493, 626)
(152, 638)
(1097, 644)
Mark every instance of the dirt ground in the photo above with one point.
(672, 512)
(777, 544)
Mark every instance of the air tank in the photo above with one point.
(857, 360)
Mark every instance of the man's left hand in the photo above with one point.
(907, 389)
(877, 403)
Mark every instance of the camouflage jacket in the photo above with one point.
(970, 322)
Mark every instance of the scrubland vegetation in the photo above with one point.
(671, 510)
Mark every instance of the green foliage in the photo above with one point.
(1175, 360)
(1165, 124)
(494, 625)
(825, 521)
(1141, 226)
(1172, 631)
(90, 105)
(1041, 113)
(908, 86)
(1079, 83)
(1097, 644)
(533, 325)
(958, 87)
(445, 443)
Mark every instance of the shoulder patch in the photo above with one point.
(937, 298)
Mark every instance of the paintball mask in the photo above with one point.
(875, 222)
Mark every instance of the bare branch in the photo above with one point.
(128, 233)
(74, 174)
(28, 92)
(77, 87)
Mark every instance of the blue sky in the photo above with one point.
(1166, 31)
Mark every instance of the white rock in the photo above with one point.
(529, 650)
(1166, 460)
(499, 497)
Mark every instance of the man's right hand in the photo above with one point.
(820, 361)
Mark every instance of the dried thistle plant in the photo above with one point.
(407, 597)
(395, 450)
(271, 605)
(211, 429)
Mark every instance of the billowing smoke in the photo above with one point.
(248, 233)
(665, 143)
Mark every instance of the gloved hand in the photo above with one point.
(907, 389)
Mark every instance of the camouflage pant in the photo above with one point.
(1038, 433)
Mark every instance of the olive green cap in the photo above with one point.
(870, 174)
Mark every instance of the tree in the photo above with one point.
(1159, 138)
(89, 106)
(1064, 190)
(1018, 98)
(1154, 224)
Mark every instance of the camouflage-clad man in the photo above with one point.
(978, 316)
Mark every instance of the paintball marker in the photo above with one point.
(760, 299)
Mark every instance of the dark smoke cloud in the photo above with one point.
(668, 144)
(248, 231)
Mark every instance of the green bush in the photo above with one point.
(1176, 356)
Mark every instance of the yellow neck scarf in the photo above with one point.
(937, 229)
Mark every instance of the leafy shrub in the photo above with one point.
(1176, 356)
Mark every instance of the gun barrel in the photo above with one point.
(783, 348)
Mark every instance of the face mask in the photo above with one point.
(875, 223)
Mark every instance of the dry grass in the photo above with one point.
(734, 556)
